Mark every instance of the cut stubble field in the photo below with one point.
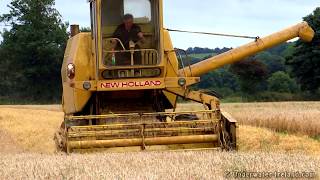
(272, 137)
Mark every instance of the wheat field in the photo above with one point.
(268, 141)
(151, 165)
(288, 117)
(301, 118)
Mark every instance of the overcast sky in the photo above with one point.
(243, 17)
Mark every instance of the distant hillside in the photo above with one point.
(202, 55)
(199, 50)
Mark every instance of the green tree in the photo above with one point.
(85, 29)
(281, 82)
(32, 51)
(274, 63)
(289, 51)
(305, 60)
(222, 81)
(251, 73)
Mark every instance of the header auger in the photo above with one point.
(124, 94)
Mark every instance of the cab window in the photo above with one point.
(113, 11)
(140, 9)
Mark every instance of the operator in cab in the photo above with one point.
(128, 32)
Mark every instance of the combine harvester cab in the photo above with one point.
(124, 94)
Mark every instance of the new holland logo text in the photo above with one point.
(131, 84)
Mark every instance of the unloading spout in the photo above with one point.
(301, 30)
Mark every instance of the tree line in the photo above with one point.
(32, 50)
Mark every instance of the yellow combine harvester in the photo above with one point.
(127, 96)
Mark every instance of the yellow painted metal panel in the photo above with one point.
(68, 91)
(171, 61)
(84, 69)
(68, 99)
(78, 52)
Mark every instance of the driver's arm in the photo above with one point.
(140, 34)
